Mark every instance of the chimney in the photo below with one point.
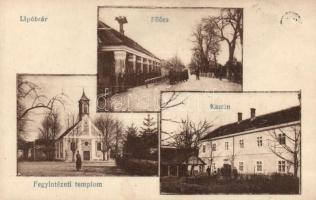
(239, 116)
(121, 20)
(252, 113)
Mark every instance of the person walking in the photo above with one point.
(78, 161)
(197, 73)
(208, 170)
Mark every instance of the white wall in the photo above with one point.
(251, 153)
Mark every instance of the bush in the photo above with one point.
(138, 166)
(255, 184)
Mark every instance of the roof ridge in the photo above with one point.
(248, 119)
(68, 129)
(130, 40)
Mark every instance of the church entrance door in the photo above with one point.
(86, 155)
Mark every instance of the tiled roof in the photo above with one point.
(110, 37)
(275, 118)
(68, 130)
(172, 156)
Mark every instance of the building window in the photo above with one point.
(86, 108)
(213, 147)
(281, 166)
(241, 144)
(259, 166)
(259, 141)
(61, 150)
(241, 166)
(203, 149)
(86, 143)
(99, 146)
(73, 146)
(226, 145)
(281, 138)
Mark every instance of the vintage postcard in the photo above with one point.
(172, 99)
(203, 52)
(231, 143)
(59, 132)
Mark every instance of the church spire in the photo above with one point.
(83, 105)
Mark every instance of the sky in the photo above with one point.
(197, 107)
(72, 86)
(164, 39)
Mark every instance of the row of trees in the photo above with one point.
(208, 35)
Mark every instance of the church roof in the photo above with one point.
(68, 130)
(275, 118)
(108, 36)
(84, 97)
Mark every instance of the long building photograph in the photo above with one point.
(230, 143)
(142, 51)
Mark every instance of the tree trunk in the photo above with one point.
(231, 53)
(191, 171)
(295, 165)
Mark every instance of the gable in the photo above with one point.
(83, 128)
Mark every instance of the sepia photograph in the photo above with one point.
(144, 50)
(59, 132)
(230, 143)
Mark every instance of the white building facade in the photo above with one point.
(259, 145)
(83, 137)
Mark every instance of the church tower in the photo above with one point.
(83, 105)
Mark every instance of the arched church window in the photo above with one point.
(85, 108)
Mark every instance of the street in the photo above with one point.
(59, 168)
(144, 98)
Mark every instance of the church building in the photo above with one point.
(82, 136)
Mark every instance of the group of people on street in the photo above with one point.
(176, 77)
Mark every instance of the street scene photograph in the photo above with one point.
(59, 132)
(142, 51)
(230, 143)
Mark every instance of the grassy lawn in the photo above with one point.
(208, 185)
(56, 168)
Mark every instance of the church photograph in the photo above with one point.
(231, 143)
(142, 51)
(59, 132)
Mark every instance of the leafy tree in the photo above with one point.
(132, 146)
(149, 137)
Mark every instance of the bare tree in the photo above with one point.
(118, 137)
(189, 134)
(50, 128)
(29, 99)
(172, 101)
(106, 124)
(73, 140)
(229, 24)
(200, 51)
(288, 142)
